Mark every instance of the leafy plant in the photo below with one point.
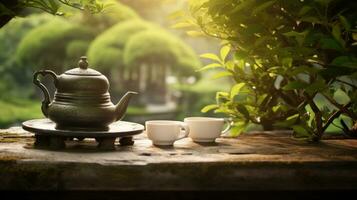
(283, 56)
(11, 9)
(112, 42)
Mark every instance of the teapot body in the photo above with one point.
(81, 100)
(68, 114)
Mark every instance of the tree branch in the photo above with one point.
(343, 109)
(318, 116)
(335, 115)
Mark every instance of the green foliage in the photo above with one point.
(75, 49)
(14, 31)
(160, 47)
(134, 41)
(110, 44)
(10, 37)
(18, 110)
(285, 53)
(150, 47)
(107, 60)
(118, 12)
(45, 46)
(187, 60)
(113, 13)
(11, 9)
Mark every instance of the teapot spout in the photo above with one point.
(122, 105)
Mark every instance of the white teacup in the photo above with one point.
(206, 129)
(166, 132)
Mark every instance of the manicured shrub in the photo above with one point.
(45, 46)
(187, 60)
(151, 47)
(112, 42)
(160, 47)
(76, 49)
(12, 33)
(108, 59)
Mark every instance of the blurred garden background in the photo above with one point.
(267, 64)
(133, 43)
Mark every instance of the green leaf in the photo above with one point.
(194, 33)
(317, 86)
(209, 107)
(224, 110)
(237, 128)
(262, 7)
(277, 70)
(301, 132)
(211, 56)
(304, 69)
(230, 65)
(6, 11)
(236, 89)
(344, 22)
(182, 25)
(299, 37)
(290, 121)
(210, 66)
(313, 20)
(220, 95)
(241, 6)
(295, 85)
(260, 41)
(222, 74)
(224, 52)
(241, 55)
(304, 10)
(330, 43)
(176, 14)
(287, 62)
(54, 6)
(335, 71)
(336, 32)
(345, 61)
(243, 110)
(341, 97)
(354, 36)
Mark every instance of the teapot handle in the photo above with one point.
(46, 101)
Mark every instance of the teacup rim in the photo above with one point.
(162, 122)
(203, 119)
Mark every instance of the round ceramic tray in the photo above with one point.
(116, 129)
(47, 136)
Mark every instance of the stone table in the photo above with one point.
(266, 161)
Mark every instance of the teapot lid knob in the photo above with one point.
(83, 63)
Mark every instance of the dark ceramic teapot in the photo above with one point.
(81, 100)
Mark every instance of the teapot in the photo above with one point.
(81, 100)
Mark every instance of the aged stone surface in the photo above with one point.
(255, 161)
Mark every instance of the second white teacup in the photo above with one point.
(166, 132)
(206, 129)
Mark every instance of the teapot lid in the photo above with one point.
(82, 69)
